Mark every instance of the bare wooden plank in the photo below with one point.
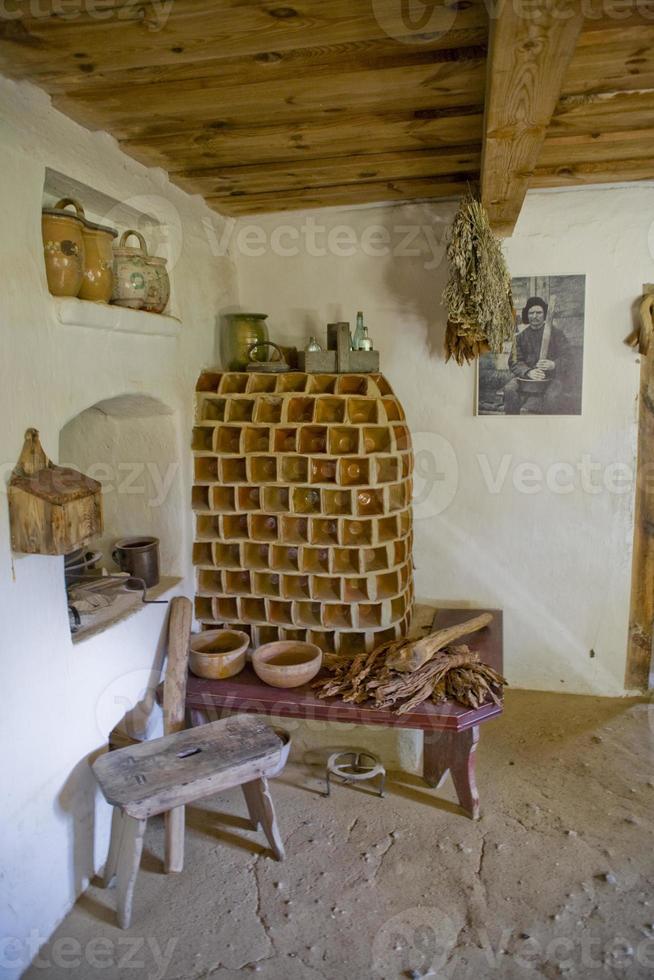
(601, 114)
(344, 194)
(220, 144)
(87, 78)
(528, 56)
(287, 100)
(593, 172)
(132, 36)
(622, 61)
(611, 16)
(359, 168)
(604, 148)
(174, 698)
(641, 615)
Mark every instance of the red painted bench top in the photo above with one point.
(246, 692)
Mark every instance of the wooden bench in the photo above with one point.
(451, 731)
(167, 773)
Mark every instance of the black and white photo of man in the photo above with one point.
(540, 372)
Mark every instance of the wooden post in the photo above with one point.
(641, 617)
(179, 630)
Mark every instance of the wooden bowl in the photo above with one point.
(287, 663)
(217, 654)
(283, 758)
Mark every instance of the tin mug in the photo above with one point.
(139, 557)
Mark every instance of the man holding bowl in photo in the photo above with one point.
(526, 365)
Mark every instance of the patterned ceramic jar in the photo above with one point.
(63, 249)
(131, 273)
(158, 292)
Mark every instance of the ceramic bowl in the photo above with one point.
(287, 663)
(217, 654)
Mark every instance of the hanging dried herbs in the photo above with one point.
(478, 294)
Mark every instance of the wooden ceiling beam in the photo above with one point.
(530, 48)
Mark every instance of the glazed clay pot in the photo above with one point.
(131, 273)
(240, 331)
(63, 249)
(158, 292)
(97, 279)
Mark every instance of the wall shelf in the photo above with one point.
(119, 319)
(125, 605)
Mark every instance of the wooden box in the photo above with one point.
(338, 357)
(52, 509)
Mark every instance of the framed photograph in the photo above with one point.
(540, 373)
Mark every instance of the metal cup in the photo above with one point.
(139, 557)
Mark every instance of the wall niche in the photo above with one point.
(131, 445)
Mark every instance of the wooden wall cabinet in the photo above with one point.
(52, 509)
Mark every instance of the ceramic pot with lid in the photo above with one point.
(63, 250)
(97, 280)
(131, 273)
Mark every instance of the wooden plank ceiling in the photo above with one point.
(266, 105)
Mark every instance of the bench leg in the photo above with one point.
(111, 864)
(262, 812)
(174, 821)
(252, 802)
(453, 752)
(129, 859)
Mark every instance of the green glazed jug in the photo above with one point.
(239, 332)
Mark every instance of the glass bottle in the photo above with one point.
(359, 332)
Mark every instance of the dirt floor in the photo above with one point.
(555, 879)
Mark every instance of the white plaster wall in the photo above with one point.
(558, 563)
(137, 460)
(61, 701)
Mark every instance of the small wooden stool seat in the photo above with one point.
(166, 773)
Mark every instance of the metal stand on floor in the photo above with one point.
(355, 767)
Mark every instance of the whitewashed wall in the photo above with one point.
(554, 552)
(60, 701)
(557, 563)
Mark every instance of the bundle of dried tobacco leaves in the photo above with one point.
(478, 294)
(411, 671)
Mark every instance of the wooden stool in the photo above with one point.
(166, 773)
